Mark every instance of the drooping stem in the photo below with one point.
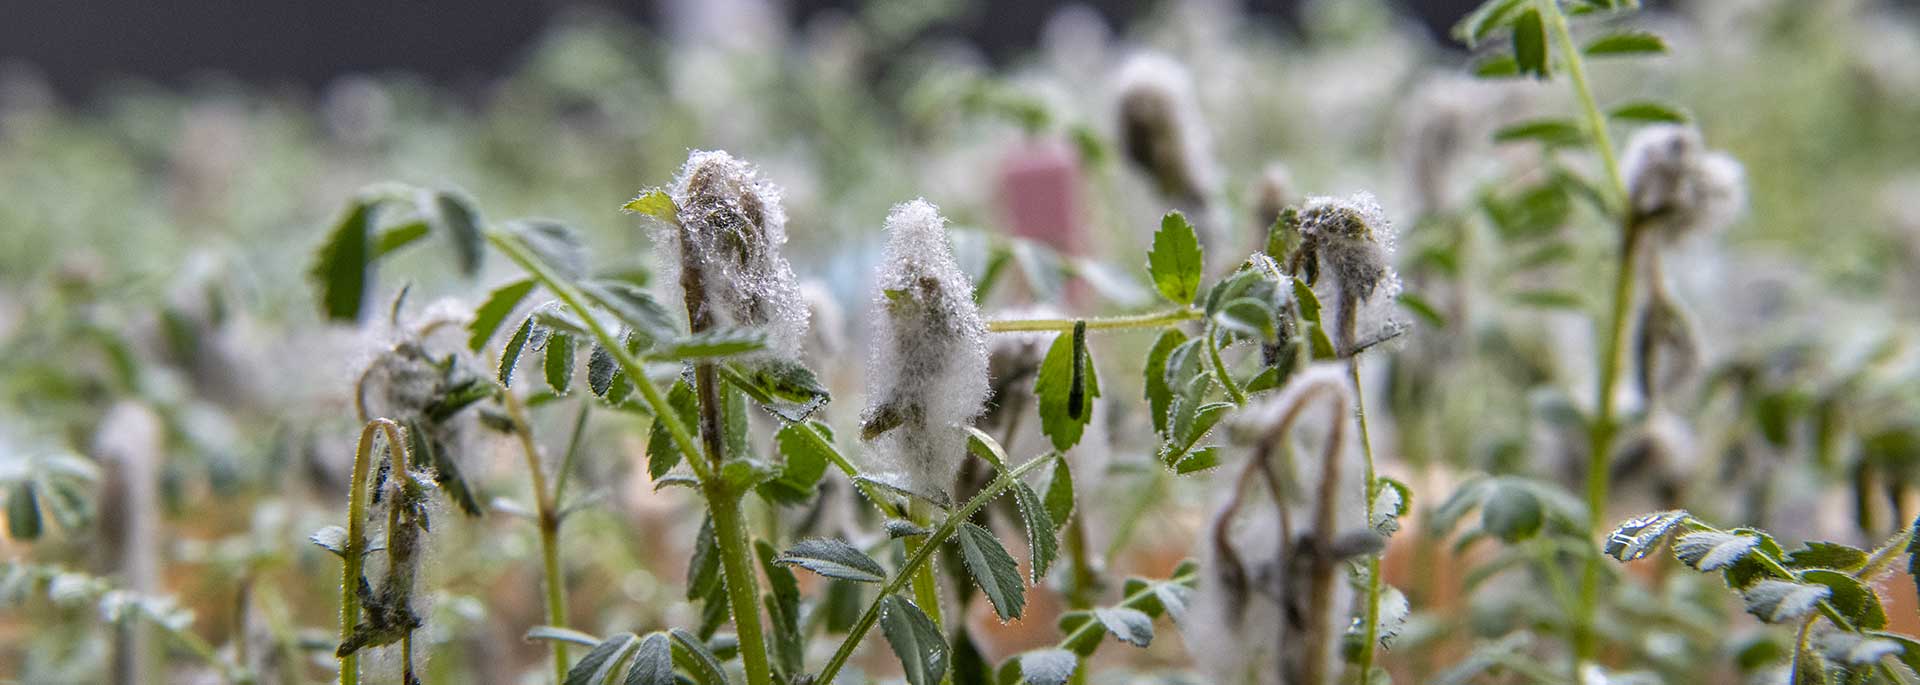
(549, 524)
(1149, 320)
(919, 558)
(356, 544)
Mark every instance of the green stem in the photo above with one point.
(549, 524)
(1603, 429)
(743, 586)
(1365, 661)
(999, 486)
(355, 556)
(1148, 320)
(1577, 71)
(1220, 369)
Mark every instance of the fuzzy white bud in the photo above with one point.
(1349, 242)
(1676, 186)
(727, 243)
(928, 369)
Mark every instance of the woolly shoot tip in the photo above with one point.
(726, 247)
(1160, 126)
(928, 370)
(1676, 186)
(1350, 241)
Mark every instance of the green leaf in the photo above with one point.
(598, 666)
(1159, 393)
(1309, 304)
(446, 471)
(833, 559)
(1530, 44)
(559, 634)
(1511, 512)
(1548, 132)
(692, 656)
(1627, 43)
(392, 239)
(712, 344)
(1639, 536)
(1831, 555)
(1060, 493)
(902, 528)
(652, 661)
(1131, 626)
(1055, 386)
(1490, 16)
(1392, 499)
(554, 244)
(1497, 66)
(783, 386)
(1647, 111)
(342, 270)
(703, 568)
(783, 610)
(915, 640)
(1198, 460)
(23, 512)
(643, 315)
(1250, 317)
(455, 217)
(1042, 545)
(494, 311)
(1713, 550)
(1175, 263)
(1189, 429)
(1851, 597)
(993, 570)
(662, 452)
(986, 448)
(602, 369)
(807, 452)
(559, 364)
(1047, 666)
(510, 355)
(1780, 601)
(656, 203)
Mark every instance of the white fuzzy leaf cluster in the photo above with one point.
(1676, 186)
(927, 373)
(731, 227)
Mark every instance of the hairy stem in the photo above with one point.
(356, 546)
(731, 537)
(1372, 631)
(1148, 320)
(999, 486)
(549, 524)
(1603, 428)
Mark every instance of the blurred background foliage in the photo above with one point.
(156, 234)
